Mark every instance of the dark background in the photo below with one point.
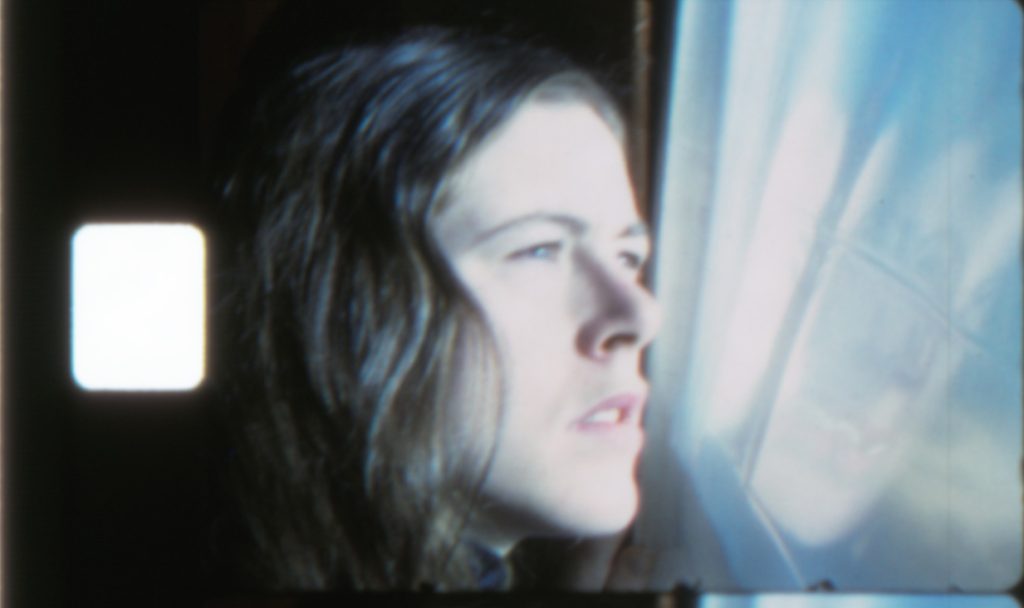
(109, 108)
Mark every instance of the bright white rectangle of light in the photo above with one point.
(138, 306)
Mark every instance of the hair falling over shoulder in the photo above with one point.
(351, 464)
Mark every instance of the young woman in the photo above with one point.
(438, 297)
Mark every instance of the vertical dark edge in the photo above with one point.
(34, 324)
(640, 110)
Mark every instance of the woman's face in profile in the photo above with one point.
(542, 229)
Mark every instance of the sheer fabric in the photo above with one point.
(837, 388)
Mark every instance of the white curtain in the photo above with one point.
(837, 389)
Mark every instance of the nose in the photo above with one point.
(623, 316)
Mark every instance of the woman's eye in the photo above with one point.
(541, 251)
(631, 260)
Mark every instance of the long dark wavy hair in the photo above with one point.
(351, 337)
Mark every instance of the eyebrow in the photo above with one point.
(573, 224)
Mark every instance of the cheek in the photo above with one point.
(530, 318)
(536, 339)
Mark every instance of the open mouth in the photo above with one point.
(614, 412)
(607, 416)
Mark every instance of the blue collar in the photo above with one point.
(489, 568)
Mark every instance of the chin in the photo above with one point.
(605, 499)
(606, 512)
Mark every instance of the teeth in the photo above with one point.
(605, 417)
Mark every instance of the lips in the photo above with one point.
(618, 411)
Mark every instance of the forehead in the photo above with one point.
(557, 157)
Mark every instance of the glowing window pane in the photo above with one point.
(137, 306)
(836, 387)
